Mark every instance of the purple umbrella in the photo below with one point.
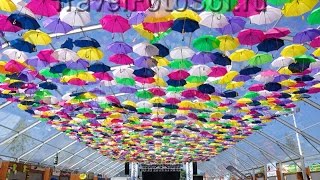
(97, 91)
(55, 25)
(119, 48)
(127, 89)
(236, 24)
(137, 18)
(37, 63)
(104, 6)
(202, 58)
(145, 62)
(243, 78)
(281, 78)
(306, 36)
(78, 65)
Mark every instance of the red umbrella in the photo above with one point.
(247, 8)
(251, 36)
(277, 32)
(135, 5)
(6, 25)
(115, 23)
(179, 75)
(121, 59)
(14, 66)
(144, 80)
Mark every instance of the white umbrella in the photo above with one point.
(314, 65)
(213, 20)
(200, 70)
(145, 85)
(21, 7)
(282, 62)
(173, 95)
(64, 55)
(144, 104)
(160, 71)
(50, 100)
(108, 83)
(182, 52)
(74, 17)
(145, 49)
(66, 97)
(268, 16)
(317, 76)
(15, 54)
(264, 79)
(123, 72)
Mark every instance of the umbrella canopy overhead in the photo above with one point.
(155, 85)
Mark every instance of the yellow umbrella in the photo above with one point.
(37, 37)
(157, 100)
(228, 43)
(161, 61)
(192, 85)
(242, 55)
(154, 19)
(285, 70)
(234, 85)
(7, 5)
(185, 104)
(293, 50)
(227, 78)
(244, 100)
(142, 32)
(90, 53)
(186, 13)
(288, 82)
(316, 52)
(129, 103)
(159, 82)
(298, 7)
(216, 115)
(85, 76)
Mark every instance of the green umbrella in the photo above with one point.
(144, 110)
(251, 95)
(144, 94)
(313, 18)
(126, 81)
(211, 104)
(305, 59)
(2, 78)
(175, 89)
(71, 72)
(170, 111)
(206, 43)
(180, 64)
(160, 36)
(278, 2)
(46, 73)
(40, 94)
(222, 6)
(260, 59)
(196, 79)
(104, 105)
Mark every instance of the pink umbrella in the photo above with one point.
(179, 75)
(6, 25)
(157, 26)
(190, 93)
(157, 91)
(173, 100)
(277, 32)
(315, 43)
(269, 73)
(251, 37)
(135, 5)
(113, 99)
(44, 7)
(121, 59)
(144, 80)
(77, 82)
(115, 24)
(103, 76)
(45, 55)
(247, 8)
(14, 66)
(217, 71)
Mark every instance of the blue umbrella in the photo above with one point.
(22, 45)
(144, 72)
(24, 21)
(16, 84)
(250, 70)
(163, 50)
(176, 83)
(229, 94)
(185, 25)
(99, 67)
(298, 67)
(304, 78)
(221, 59)
(58, 68)
(67, 44)
(86, 42)
(272, 86)
(206, 89)
(269, 45)
(48, 85)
